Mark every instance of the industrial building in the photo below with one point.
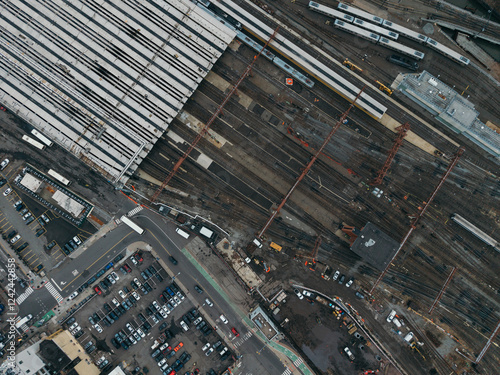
(105, 79)
(450, 108)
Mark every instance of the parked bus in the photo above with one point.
(41, 137)
(24, 320)
(132, 225)
(182, 233)
(59, 178)
(32, 142)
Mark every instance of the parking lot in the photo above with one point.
(39, 236)
(141, 317)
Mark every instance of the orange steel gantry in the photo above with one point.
(402, 131)
(211, 120)
(308, 166)
(420, 214)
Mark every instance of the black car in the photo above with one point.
(148, 287)
(22, 247)
(156, 353)
(169, 334)
(11, 234)
(174, 287)
(148, 273)
(342, 279)
(79, 334)
(51, 245)
(96, 317)
(3, 181)
(198, 289)
(107, 282)
(71, 321)
(126, 290)
(158, 276)
(218, 346)
(171, 354)
(173, 260)
(107, 307)
(115, 343)
(225, 355)
(195, 313)
(132, 300)
(144, 276)
(40, 232)
(118, 258)
(151, 269)
(105, 322)
(91, 349)
(159, 317)
(162, 326)
(201, 325)
(142, 317)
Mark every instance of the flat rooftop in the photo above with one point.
(374, 246)
(261, 320)
(105, 79)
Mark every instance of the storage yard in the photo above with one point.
(443, 283)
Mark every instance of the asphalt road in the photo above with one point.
(256, 358)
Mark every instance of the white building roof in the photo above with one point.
(68, 204)
(31, 182)
(104, 79)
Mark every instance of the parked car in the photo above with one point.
(297, 292)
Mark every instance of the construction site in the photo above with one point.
(305, 182)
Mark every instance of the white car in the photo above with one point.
(197, 321)
(15, 239)
(140, 332)
(136, 295)
(336, 276)
(111, 280)
(98, 328)
(27, 216)
(132, 258)
(164, 346)
(157, 307)
(165, 309)
(349, 283)
(73, 295)
(115, 302)
(137, 282)
(307, 293)
(184, 326)
(297, 292)
(76, 330)
(137, 336)
(155, 319)
(391, 316)
(172, 302)
(209, 351)
(132, 339)
(224, 320)
(180, 295)
(121, 294)
(73, 326)
(162, 362)
(77, 240)
(206, 346)
(163, 314)
(7, 192)
(115, 276)
(129, 327)
(177, 300)
(4, 164)
(208, 302)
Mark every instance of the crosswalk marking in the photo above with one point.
(287, 371)
(243, 338)
(54, 292)
(22, 297)
(298, 362)
(134, 211)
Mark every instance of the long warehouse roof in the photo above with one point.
(104, 78)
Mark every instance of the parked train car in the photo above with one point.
(410, 34)
(398, 47)
(330, 12)
(442, 49)
(360, 14)
(358, 31)
(376, 29)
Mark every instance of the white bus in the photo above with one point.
(132, 225)
(41, 137)
(24, 320)
(182, 233)
(32, 142)
(59, 178)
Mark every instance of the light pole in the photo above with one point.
(485, 26)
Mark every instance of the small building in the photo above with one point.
(372, 244)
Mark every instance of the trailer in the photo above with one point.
(132, 225)
(32, 142)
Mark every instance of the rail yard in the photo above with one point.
(292, 206)
(266, 135)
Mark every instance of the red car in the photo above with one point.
(98, 290)
(178, 347)
(127, 268)
(236, 333)
(138, 257)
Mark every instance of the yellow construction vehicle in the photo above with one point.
(384, 88)
(351, 66)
